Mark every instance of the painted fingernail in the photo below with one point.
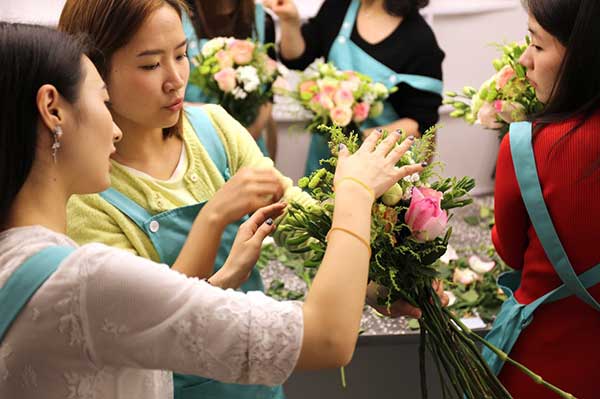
(411, 138)
(341, 147)
(398, 132)
(269, 221)
(424, 164)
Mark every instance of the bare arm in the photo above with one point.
(292, 43)
(333, 307)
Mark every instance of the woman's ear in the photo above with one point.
(50, 107)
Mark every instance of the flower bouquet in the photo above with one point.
(344, 98)
(504, 98)
(409, 233)
(238, 74)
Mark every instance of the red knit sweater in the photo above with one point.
(562, 344)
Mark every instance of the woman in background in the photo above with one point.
(387, 40)
(241, 19)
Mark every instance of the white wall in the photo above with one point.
(45, 12)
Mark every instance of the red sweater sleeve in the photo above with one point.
(509, 235)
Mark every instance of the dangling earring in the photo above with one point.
(57, 134)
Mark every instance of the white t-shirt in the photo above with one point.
(107, 322)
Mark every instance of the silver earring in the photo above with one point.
(56, 134)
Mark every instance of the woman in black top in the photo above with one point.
(386, 39)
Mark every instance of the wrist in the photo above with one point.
(292, 22)
(352, 187)
(211, 215)
(222, 278)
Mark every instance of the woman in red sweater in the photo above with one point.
(560, 341)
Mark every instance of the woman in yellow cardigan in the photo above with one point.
(171, 160)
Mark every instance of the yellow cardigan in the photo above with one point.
(91, 219)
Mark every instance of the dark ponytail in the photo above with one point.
(30, 56)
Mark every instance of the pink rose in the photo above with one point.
(504, 76)
(271, 66)
(488, 116)
(325, 101)
(241, 51)
(341, 116)
(328, 86)
(361, 112)
(224, 59)
(307, 89)
(510, 111)
(425, 217)
(226, 79)
(343, 98)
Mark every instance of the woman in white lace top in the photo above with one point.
(105, 323)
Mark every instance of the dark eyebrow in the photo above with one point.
(533, 33)
(157, 52)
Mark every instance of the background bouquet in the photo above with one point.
(238, 74)
(344, 98)
(504, 98)
(409, 233)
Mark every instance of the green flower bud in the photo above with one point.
(392, 196)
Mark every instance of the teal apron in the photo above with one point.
(192, 92)
(514, 317)
(346, 55)
(168, 231)
(25, 281)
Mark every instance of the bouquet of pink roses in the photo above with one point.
(409, 233)
(344, 98)
(504, 98)
(238, 74)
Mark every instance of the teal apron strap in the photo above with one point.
(526, 171)
(25, 282)
(259, 22)
(208, 136)
(127, 206)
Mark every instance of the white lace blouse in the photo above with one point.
(107, 324)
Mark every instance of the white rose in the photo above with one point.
(479, 266)
(212, 46)
(239, 93)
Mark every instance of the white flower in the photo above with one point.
(369, 97)
(412, 178)
(450, 255)
(407, 194)
(465, 276)
(479, 266)
(380, 90)
(212, 46)
(248, 76)
(239, 93)
(451, 297)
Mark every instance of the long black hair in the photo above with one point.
(574, 23)
(30, 56)
(402, 8)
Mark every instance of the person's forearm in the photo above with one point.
(333, 308)
(272, 138)
(197, 257)
(292, 43)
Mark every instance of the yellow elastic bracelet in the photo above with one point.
(357, 181)
(353, 234)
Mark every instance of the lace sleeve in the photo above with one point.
(142, 315)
